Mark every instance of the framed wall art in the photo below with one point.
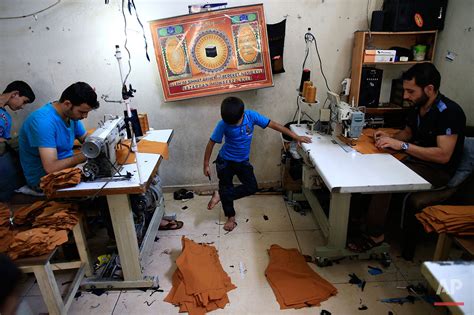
(212, 52)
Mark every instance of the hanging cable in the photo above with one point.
(31, 14)
(125, 44)
(131, 3)
(309, 37)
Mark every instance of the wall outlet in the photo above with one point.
(324, 114)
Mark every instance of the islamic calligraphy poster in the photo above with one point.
(212, 52)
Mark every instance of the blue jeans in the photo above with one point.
(11, 176)
(227, 192)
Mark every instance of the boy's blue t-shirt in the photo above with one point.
(5, 123)
(238, 137)
(44, 128)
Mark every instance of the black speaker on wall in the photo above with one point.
(414, 15)
(376, 24)
(370, 85)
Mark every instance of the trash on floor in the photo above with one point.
(265, 217)
(356, 280)
(374, 271)
(183, 194)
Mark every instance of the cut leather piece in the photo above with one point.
(293, 282)
(366, 143)
(68, 177)
(36, 242)
(200, 284)
(457, 220)
(124, 156)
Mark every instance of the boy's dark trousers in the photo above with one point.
(227, 192)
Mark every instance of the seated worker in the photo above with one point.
(47, 136)
(236, 127)
(16, 95)
(433, 139)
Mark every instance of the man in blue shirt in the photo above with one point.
(16, 95)
(47, 136)
(236, 127)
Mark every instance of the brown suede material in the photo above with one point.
(458, 220)
(62, 179)
(200, 284)
(294, 283)
(124, 156)
(366, 143)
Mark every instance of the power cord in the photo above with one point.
(309, 37)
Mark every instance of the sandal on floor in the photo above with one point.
(362, 244)
(172, 225)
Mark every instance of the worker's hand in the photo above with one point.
(388, 143)
(379, 134)
(303, 139)
(206, 170)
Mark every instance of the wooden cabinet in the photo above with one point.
(384, 40)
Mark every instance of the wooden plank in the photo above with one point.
(146, 282)
(82, 248)
(125, 235)
(74, 287)
(443, 246)
(49, 289)
(56, 266)
(35, 261)
(357, 58)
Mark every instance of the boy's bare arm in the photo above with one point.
(276, 126)
(207, 156)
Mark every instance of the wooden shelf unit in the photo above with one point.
(384, 40)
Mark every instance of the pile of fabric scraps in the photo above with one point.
(200, 284)
(51, 221)
(294, 283)
(124, 155)
(57, 215)
(36, 242)
(457, 220)
(4, 215)
(62, 179)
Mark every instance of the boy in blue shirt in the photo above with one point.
(15, 96)
(237, 127)
(47, 136)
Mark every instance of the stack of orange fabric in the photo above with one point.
(6, 238)
(366, 143)
(125, 156)
(36, 242)
(294, 283)
(27, 214)
(4, 215)
(57, 215)
(62, 179)
(200, 284)
(458, 220)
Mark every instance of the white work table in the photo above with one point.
(345, 171)
(456, 278)
(118, 199)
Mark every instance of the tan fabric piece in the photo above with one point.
(36, 242)
(294, 283)
(124, 156)
(366, 143)
(68, 177)
(458, 220)
(6, 238)
(4, 214)
(200, 284)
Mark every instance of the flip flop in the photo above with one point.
(362, 244)
(235, 225)
(172, 225)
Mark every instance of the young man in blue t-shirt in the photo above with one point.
(15, 96)
(236, 127)
(47, 136)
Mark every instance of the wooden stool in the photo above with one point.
(443, 246)
(43, 270)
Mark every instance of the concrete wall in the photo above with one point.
(74, 41)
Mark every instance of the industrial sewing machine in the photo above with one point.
(99, 148)
(346, 120)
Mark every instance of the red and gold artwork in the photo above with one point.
(212, 52)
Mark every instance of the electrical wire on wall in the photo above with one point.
(34, 14)
(130, 5)
(310, 38)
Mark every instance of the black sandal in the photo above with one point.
(362, 244)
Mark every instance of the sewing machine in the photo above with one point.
(346, 120)
(99, 148)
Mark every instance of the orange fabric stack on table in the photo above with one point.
(6, 238)
(125, 156)
(4, 215)
(58, 216)
(294, 283)
(200, 284)
(458, 220)
(366, 143)
(62, 179)
(36, 242)
(28, 213)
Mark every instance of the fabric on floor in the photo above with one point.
(293, 282)
(457, 220)
(200, 284)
